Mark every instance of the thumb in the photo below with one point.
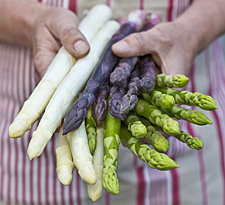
(136, 44)
(65, 28)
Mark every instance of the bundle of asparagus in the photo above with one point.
(123, 101)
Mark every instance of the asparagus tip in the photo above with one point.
(138, 130)
(110, 181)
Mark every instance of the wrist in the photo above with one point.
(29, 20)
(204, 21)
(18, 20)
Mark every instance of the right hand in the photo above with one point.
(170, 44)
(53, 28)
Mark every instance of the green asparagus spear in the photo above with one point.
(155, 138)
(155, 116)
(153, 158)
(192, 116)
(205, 102)
(159, 99)
(176, 81)
(111, 143)
(91, 131)
(192, 142)
(134, 125)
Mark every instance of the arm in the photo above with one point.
(167, 42)
(42, 28)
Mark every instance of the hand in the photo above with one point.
(169, 43)
(53, 28)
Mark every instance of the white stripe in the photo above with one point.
(169, 188)
(66, 4)
(146, 174)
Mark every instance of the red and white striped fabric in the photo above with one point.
(200, 180)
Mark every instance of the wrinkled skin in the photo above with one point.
(169, 49)
(54, 28)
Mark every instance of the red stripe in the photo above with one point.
(170, 11)
(175, 187)
(73, 6)
(78, 189)
(141, 4)
(141, 186)
(108, 3)
(107, 198)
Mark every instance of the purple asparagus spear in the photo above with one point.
(116, 94)
(99, 107)
(78, 112)
(147, 77)
(122, 72)
(130, 99)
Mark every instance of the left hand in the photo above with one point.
(170, 44)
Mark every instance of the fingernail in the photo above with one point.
(121, 46)
(80, 47)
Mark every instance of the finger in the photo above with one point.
(44, 52)
(137, 44)
(65, 29)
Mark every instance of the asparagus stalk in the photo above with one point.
(122, 72)
(69, 89)
(64, 161)
(135, 126)
(82, 157)
(147, 76)
(159, 99)
(91, 131)
(116, 94)
(192, 142)
(155, 116)
(95, 190)
(205, 102)
(99, 108)
(78, 112)
(155, 138)
(130, 99)
(192, 116)
(35, 105)
(111, 143)
(176, 81)
(153, 158)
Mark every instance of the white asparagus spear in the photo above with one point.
(69, 89)
(35, 105)
(82, 157)
(64, 160)
(95, 190)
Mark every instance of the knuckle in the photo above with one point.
(140, 42)
(69, 31)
